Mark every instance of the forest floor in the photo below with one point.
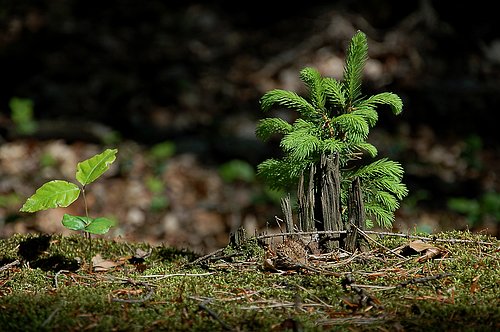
(446, 282)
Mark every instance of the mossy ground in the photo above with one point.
(50, 289)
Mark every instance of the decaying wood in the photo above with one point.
(356, 211)
(319, 200)
(286, 208)
(320, 206)
(290, 254)
(306, 201)
(238, 237)
(329, 178)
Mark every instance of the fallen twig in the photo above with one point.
(57, 275)
(9, 265)
(214, 315)
(138, 300)
(51, 316)
(431, 238)
(364, 234)
(206, 257)
(315, 297)
(164, 276)
(267, 236)
(424, 238)
(358, 320)
(274, 305)
(423, 279)
(404, 283)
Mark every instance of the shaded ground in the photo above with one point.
(134, 76)
(450, 282)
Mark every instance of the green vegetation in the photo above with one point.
(60, 193)
(48, 289)
(237, 170)
(478, 211)
(22, 115)
(335, 120)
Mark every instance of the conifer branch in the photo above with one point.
(334, 94)
(287, 99)
(386, 98)
(270, 126)
(313, 80)
(357, 54)
(335, 120)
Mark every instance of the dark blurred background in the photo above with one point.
(175, 86)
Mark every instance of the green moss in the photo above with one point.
(172, 295)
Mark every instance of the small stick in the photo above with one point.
(405, 283)
(201, 259)
(426, 238)
(141, 300)
(52, 314)
(57, 275)
(376, 242)
(9, 265)
(214, 315)
(163, 276)
(423, 279)
(266, 236)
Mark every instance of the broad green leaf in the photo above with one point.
(94, 226)
(99, 226)
(75, 223)
(53, 194)
(89, 170)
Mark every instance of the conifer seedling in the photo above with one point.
(335, 119)
(60, 193)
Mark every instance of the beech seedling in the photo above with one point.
(60, 193)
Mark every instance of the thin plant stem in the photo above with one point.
(85, 202)
(87, 234)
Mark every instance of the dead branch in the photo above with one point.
(145, 298)
(164, 276)
(206, 257)
(267, 236)
(423, 279)
(423, 238)
(364, 234)
(432, 238)
(213, 314)
(9, 265)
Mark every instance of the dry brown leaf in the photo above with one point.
(268, 265)
(143, 254)
(430, 253)
(427, 251)
(101, 265)
(420, 245)
(474, 287)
